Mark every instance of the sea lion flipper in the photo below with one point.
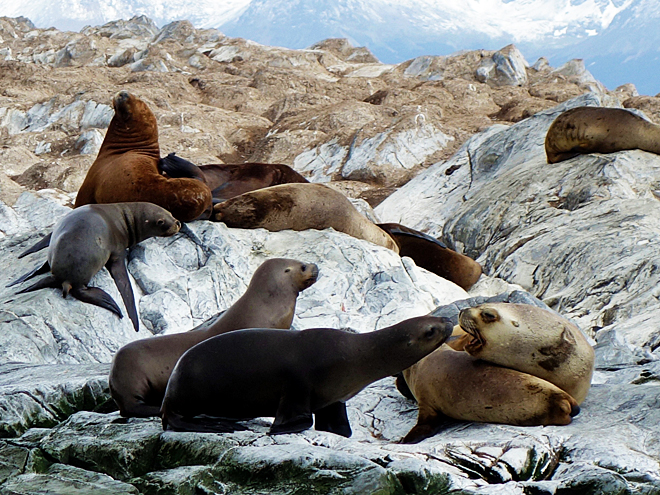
(117, 268)
(429, 422)
(177, 167)
(403, 388)
(43, 243)
(45, 268)
(293, 412)
(49, 282)
(97, 297)
(333, 418)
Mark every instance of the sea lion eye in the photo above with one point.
(430, 332)
(488, 316)
(287, 270)
(160, 222)
(303, 267)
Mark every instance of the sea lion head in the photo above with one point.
(133, 118)
(281, 275)
(424, 334)
(150, 220)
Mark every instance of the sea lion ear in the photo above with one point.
(515, 323)
(567, 336)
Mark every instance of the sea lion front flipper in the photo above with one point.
(333, 418)
(403, 388)
(97, 297)
(429, 422)
(116, 265)
(176, 167)
(45, 268)
(293, 412)
(43, 243)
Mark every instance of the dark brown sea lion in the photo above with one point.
(299, 207)
(229, 180)
(290, 375)
(126, 168)
(92, 236)
(431, 254)
(531, 340)
(599, 130)
(140, 370)
(452, 384)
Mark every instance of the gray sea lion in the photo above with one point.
(299, 207)
(452, 384)
(92, 236)
(126, 168)
(431, 254)
(140, 369)
(599, 130)
(531, 340)
(289, 375)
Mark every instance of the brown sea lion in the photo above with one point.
(452, 384)
(431, 254)
(89, 237)
(229, 180)
(599, 130)
(531, 340)
(289, 375)
(140, 369)
(299, 207)
(126, 168)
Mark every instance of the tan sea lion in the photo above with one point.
(431, 254)
(531, 340)
(599, 130)
(453, 384)
(126, 168)
(290, 375)
(93, 236)
(140, 369)
(299, 207)
(231, 179)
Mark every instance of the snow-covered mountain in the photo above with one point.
(618, 39)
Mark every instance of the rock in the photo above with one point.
(506, 67)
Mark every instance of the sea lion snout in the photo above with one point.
(120, 99)
(312, 273)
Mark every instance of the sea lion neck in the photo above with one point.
(122, 136)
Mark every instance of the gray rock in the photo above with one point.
(506, 67)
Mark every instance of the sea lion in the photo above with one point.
(140, 369)
(431, 254)
(229, 180)
(531, 340)
(289, 375)
(89, 237)
(299, 207)
(126, 168)
(452, 384)
(599, 130)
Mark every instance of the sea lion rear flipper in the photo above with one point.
(97, 297)
(177, 167)
(117, 268)
(429, 422)
(333, 418)
(49, 282)
(293, 412)
(43, 243)
(45, 268)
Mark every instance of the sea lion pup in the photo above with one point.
(431, 254)
(599, 130)
(140, 369)
(89, 237)
(126, 168)
(452, 384)
(229, 180)
(531, 340)
(289, 375)
(299, 207)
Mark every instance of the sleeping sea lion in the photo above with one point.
(289, 375)
(140, 369)
(126, 168)
(431, 254)
(89, 237)
(531, 340)
(299, 207)
(599, 130)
